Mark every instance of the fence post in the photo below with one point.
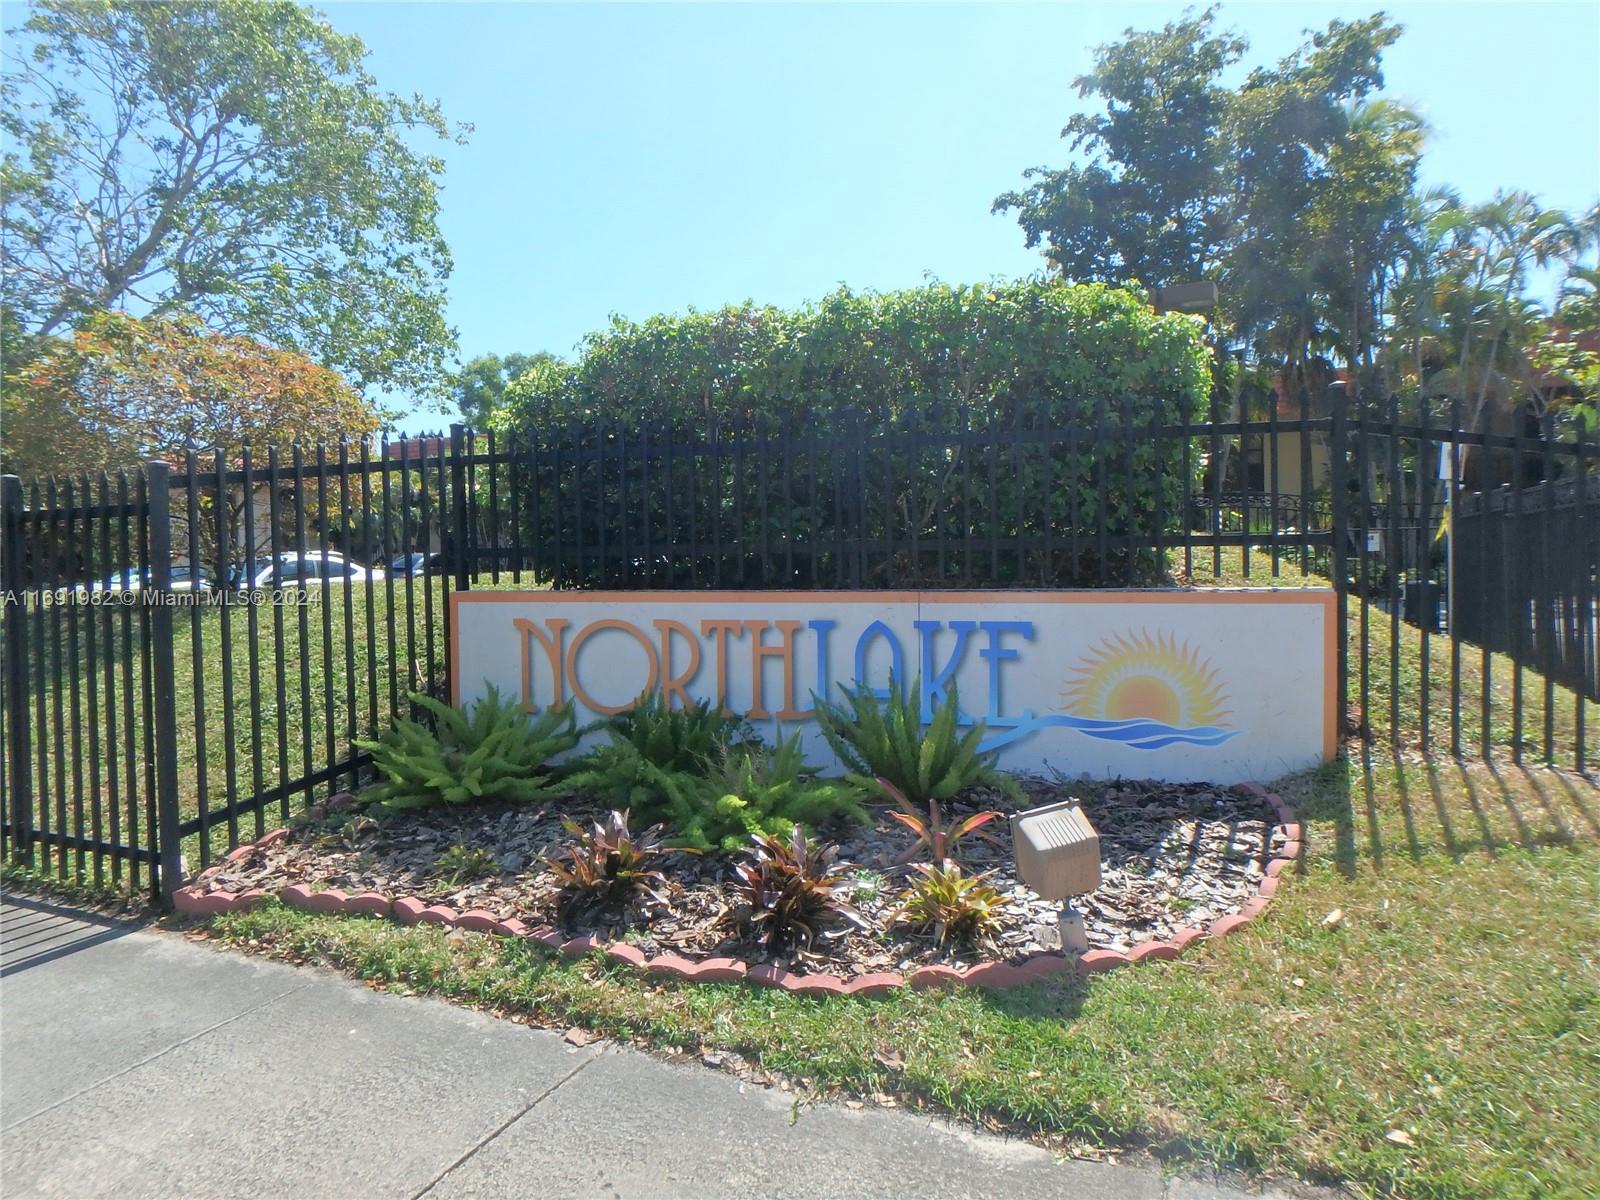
(854, 510)
(20, 785)
(1339, 519)
(461, 518)
(167, 839)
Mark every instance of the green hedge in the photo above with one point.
(932, 435)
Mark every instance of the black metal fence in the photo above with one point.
(843, 501)
(193, 649)
(1526, 561)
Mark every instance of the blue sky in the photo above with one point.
(642, 159)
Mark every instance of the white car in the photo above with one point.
(136, 579)
(300, 568)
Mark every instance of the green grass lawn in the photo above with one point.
(1442, 1039)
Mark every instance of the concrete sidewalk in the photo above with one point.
(135, 1063)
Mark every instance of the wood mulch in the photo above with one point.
(1171, 855)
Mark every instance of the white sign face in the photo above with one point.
(1217, 685)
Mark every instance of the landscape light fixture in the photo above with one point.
(1058, 856)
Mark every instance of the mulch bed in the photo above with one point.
(1172, 855)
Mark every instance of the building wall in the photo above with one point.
(1286, 448)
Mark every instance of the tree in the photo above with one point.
(1463, 327)
(1292, 190)
(119, 390)
(479, 388)
(1322, 180)
(1569, 349)
(233, 159)
(1150, 203)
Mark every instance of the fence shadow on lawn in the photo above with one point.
(1376, 803)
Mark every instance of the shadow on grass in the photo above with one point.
(1381, 802)
(1058, 999)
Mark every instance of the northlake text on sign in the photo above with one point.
(1220, 684)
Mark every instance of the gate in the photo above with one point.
(169, 679)
(88, 736)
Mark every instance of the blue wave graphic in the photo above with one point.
(1140, 733)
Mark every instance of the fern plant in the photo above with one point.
(498, 753)
(678, 739)
(702, 816)
(719, 799)
(781, 792)
(652, 742)
(884, 747)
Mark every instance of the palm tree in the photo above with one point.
(1496, 318)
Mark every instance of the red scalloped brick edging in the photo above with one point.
(413, 910)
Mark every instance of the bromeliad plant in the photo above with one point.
(958, 907)
(883, 745)
(608, 867)
(498, 753)
(932, 833)
(791, 892)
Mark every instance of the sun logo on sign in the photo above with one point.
(1147, 690)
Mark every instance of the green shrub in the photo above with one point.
(907, 399)
(781, 791)
(677, 739)
(499, 753)
(883, 746)
(708, 780)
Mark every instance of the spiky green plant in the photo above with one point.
(652, 751)
(719, 800)
(782, 792)
(678, 739)
(498, 753)
(958, 907)
(884, 747)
